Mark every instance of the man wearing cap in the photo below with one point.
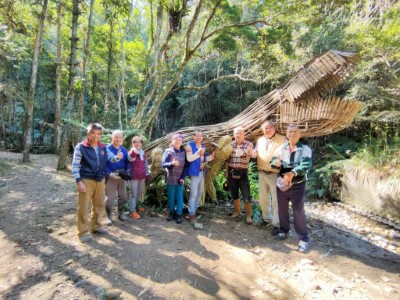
(88, 168)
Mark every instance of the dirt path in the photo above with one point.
(154, 259)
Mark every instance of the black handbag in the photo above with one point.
(125, 175)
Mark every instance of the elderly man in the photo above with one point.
(88, 168)
(116, 186)
(293, 160)
(236, 172)
(265, 149)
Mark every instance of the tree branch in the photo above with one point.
(220, 78)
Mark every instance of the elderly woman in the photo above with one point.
(174, 163)
(236, 173)
(293, 159)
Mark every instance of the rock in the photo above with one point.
(113, 295)
(80, 283)
(99, 292)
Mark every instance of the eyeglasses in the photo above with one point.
(136, 142)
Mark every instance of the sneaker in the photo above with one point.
(134, 215)
(84, 238)
(100, 231)
(140, 209)
(281, 236)
(275, 231)
(303, 247)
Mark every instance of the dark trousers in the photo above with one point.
(296, 194)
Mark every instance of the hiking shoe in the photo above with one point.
(122, 216)
(171, 216)
(100, 231)
(281, 236)
(303, 247)
(179, 219)
(275, 230)
(84, 238)
(134, 215)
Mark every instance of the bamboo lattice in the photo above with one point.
(299, 101)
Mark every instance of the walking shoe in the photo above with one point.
(171, 216)
(275, 231)
(84, 238)
(281, 236)
(134, 215)
(100, 231)
(303, 247)
(179, 219)
(122, 216)
(140, 209)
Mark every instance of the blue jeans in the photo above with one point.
(175, 197)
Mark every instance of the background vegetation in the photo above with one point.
(153, 66)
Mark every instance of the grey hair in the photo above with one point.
(115, 132)
(237, 129)
(293, 126)
(268, 122)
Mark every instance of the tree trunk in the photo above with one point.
(86, 53)
(109, 66)
(65, 140)
(57, 118)
(121, 91)
(32, 86)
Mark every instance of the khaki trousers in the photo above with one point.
(94, 195)
(267, 185)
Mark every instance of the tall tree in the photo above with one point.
(32, 87)
(57, 129)
(173, 51)
(86, 53)
(65, 140)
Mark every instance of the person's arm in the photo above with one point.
(276, 161)
(254, 153)
(111, 156)
(167, 161)
(76, 163)
(190, 156)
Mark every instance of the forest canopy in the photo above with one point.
(151, 67)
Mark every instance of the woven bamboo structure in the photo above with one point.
(300, 101)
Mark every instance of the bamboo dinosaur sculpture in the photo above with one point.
(299, 101)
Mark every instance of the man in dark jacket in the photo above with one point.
(88, 168)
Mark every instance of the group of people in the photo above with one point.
(283, 164)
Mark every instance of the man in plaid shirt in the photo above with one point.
(236, 172)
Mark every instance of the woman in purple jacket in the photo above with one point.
(174, 162)
(139, 172)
